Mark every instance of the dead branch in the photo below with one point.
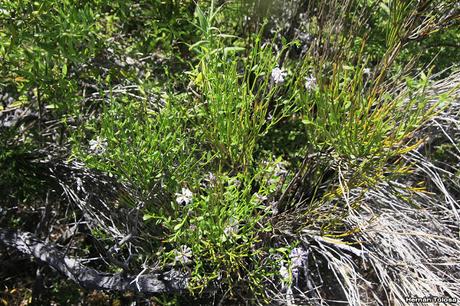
(89, 278)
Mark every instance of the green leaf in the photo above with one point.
(177, 227)
(147, 217)
(64, 70)
(385, 8)
(232, 49)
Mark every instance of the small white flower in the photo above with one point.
(212, 177)
(278, 75)
(260, 198)
(232, 228)
(270, 116)
(310, 82)
(272, 181)
(80, 186)
(210, 180)
(185, 197)
(129, 61)
(284, 272)
(280, 169)
(285, 276)
(274, 207)
(98, 145)
(297, 256)
(183, 255)
(366, 71)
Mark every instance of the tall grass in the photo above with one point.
(238, 99)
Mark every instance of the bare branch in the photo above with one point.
(89, 278)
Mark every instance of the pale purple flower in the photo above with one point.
(185, 197)
(260, 198)
(232, 228)
(212, 179)
(274, 207)
(310, 82)
(297, 256)
(278, 75)
(183, 255)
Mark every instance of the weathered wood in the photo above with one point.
(89, 278)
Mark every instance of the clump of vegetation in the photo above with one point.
(231, 152)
